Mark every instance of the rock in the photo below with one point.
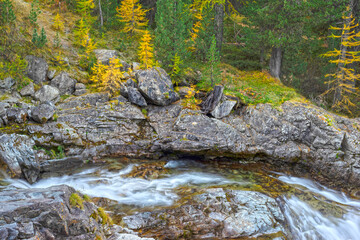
(79, 86)
(135, 66)
(51, 74)
(156, 86)
(7, 83)
(223, 109)
(18, 115)
(48, 214)
(124, 87)
(214, 214)
(104, 55)
(18, 155)
(47, 93)
(43, 113)
(80, 92)
(136, 98)
(87, 100)
(28, 90)
(37, 69)
(64, 83)
(127, 236)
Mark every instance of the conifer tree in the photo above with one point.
(57, 42)
(35, 37)
(7, 12)
(80, 32)
(34, 12)
(175, 66)
(342, 82)
(84, 7)
(213, 61)
(133, 15)
(172, 30)
(58, 23)
(146, 51)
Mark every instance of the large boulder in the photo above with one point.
(136, 98)
(47, 93)
(43, 113)
(16, 152)
(64, 83)
(156, 86)
(104, 56)
(37, 69)
(51, 213)
(214, 214)
(223, 109)
(15, 114)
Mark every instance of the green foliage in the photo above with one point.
(172, 29)
(84, 8)
(105, 219)
(175, 66)
(34, 12)
(57, 42)
(39, 41)
(76, 201)
(7, 12)
(212, 71)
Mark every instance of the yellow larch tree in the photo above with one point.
(133, 15)
(58, 24)
(342, 82)
(108, 77)
(146, 51)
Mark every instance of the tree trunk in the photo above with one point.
(275, 62)
(219, 25)
(101, 15)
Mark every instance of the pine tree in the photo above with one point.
(342, 82)
(146, 51)
(35, 37)
(7, 12)
(57, 42)
(213, 62)
(172, 29)
(58, 23)
(80, 32)
(175, 66)
(42, 38)
(133, 15)
(34, 12)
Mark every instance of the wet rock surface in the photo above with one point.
(214, 214)
(47, 214)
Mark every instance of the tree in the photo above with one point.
(84, 7)
(172, 30)
(175, 66)
(108, 77)
(213, 61)
(58, 24)
(146, 51)
(342, 82)
(34, 12)
(81, 32)
(131, 13)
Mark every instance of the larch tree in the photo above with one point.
(133, 15)
(84, 8)
(342, 82)
(146, 51)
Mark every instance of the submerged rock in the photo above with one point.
(16, 151)
(48, 214)
(156, 86)
(217, 213)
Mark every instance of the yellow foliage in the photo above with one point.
(58, 24)
(81, 32)
(146, 51)
(84, 7)
(190, 101)
(131, 13)
(108, 77)
(194, 34)
(175, 66)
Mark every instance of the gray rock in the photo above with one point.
(7, 83)
(80, 86)
(51, 74)
(17, 115)
(47, 93)
(124, 89)
(104, 56)
(64, 83)
(135, 66)
(18, 155)
(80, 92)
(212, 100)
(37, 69)
(28, 90)
(136, 98)
(217, 213)
(47, 214)
(156, 86)
(87, 100)
(43, 113)
(127, 236)
(223, 109)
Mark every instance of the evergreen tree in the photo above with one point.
(80, 32)
(146, 51)
(133, 15)
(34, 12)
(57, 42)
(35, 37)
(7, 12)
(172, 30)
(213, 62)
(84, 7)
(175, 67)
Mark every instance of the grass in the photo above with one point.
(76, 201)
(254, 87)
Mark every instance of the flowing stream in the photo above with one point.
(312, 211)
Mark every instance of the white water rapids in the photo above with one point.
(304, 221)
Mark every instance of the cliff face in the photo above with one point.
(91, 126)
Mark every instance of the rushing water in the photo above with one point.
(312, 211)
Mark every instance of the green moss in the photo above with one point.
(144, 111)
(55, 117)
(76, 201)
(86, 198)
(105, 217)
